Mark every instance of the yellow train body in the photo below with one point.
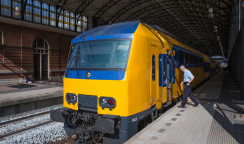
(137, 91)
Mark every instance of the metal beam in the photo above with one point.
(84, 5)
(105, 8)
(127, 8)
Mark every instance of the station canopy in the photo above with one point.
(191, 21)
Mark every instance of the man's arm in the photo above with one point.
(191, 80)
(181, 83)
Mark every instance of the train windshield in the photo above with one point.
(99, 54)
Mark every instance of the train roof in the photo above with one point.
(109, 31)
(119, 31)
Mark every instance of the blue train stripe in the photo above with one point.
(96, 75)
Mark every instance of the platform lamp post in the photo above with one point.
(210, 13)
(215, 29)
(17, 12)
(218, 39)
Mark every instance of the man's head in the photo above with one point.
(182, 68)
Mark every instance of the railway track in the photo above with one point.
(19, 125)
(24, 129)
(23, 118)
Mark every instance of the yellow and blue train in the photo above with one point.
(120, 76)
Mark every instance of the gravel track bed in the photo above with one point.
(41, 135)
(16, 126)
(28, 113)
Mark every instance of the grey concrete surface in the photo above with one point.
(22, 97)
(212, 122)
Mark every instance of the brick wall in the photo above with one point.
(17, 56)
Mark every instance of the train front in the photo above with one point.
(94, 91)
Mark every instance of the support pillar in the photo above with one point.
(242, 51)
(89, 23)
(234, 63)
(238, 63)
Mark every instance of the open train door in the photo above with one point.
(170, 76)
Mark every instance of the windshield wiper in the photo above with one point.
(88, 55)
(67, 73)
(92, 55)
(77, 60)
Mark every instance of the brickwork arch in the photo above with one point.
(45, 39)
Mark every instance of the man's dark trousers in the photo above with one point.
(187, 92)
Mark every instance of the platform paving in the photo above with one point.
(219, 119)
(21, 97)
(20, 91)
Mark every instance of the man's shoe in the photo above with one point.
(181, 106)
(196, 105)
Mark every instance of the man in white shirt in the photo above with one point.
(187, 81)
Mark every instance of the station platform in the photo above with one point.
(219, 119)
(22, 97)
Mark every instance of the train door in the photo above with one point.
(153, 84)
(170, 75)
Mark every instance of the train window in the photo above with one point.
(181, 57)
(196, 60)
(191, 59)
(153, 67)
(165, 63)
(186, 58)
(199, 62)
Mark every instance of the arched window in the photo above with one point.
(78, 17)
(72, 21)
(28, 10)
(40, 46)
(52, 16)
(1, 37)
(45, 13)
(61, 18)
(66, 19)
(16, 4)
(6, 7)
(36, 11)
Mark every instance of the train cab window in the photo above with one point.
(107, 54)
(153, 67)
(186, 58)
(191, 59)
(181, 57)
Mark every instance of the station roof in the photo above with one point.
(186, 19)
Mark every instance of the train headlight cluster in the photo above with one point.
(107, 102)
(71, 98)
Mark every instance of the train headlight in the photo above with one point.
(74, 98)
(103, 101)
(71, 98)
(107, 102)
